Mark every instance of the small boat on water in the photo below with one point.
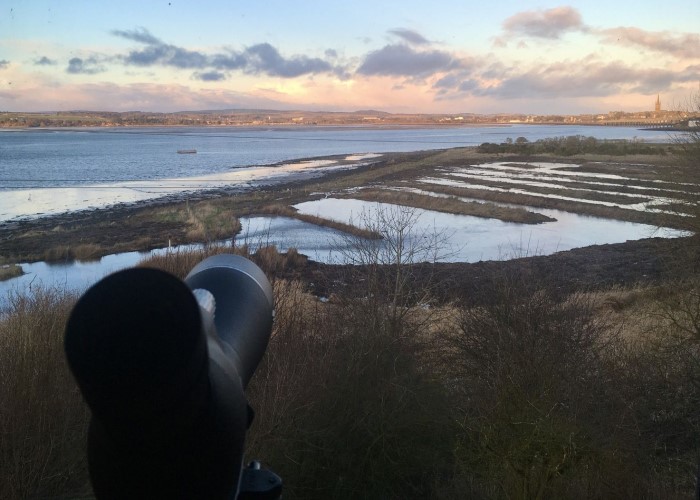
(186, 151)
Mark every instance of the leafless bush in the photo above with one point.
(531, 373)
(355, 413)
(390, 274)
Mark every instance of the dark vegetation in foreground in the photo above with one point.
(525, 384)
(384, 391)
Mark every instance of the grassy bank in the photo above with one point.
(10, 271)
(287, 211)
(207, 217)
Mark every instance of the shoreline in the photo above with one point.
(207, 214)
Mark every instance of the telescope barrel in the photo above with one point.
(169, 413)
(244, 304)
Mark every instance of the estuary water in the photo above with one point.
(49, 171)
(53, 171)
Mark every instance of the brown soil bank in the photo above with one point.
(649, 261)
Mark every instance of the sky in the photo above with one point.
(400, 56)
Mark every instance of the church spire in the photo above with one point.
(657, 107)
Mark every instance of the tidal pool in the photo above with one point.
(471, 239)
(319, 243)
(463, 238)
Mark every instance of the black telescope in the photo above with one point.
(163, 365)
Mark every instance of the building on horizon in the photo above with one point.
(657, 106)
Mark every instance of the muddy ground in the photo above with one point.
(599, 267)
(141, 227)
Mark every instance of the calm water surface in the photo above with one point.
(65, 166)
(68, 157)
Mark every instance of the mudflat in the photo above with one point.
(508, 187)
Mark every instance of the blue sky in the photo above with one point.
(399, 56)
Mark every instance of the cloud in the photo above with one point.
(230, 61)
(138, 96)
(410, 36)
(210, 76)
(157, 52)
(141, 35)
(167, 55)
(588, 77)
(44, 61)
(548, 24)
(256, 59)
(402, 60)
(683, 45)
(89, 66)
(264, 58)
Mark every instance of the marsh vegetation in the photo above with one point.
(393, 385)
(388, 390)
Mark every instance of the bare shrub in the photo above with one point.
(348, 411)
(358, 414)
(393, 274)
(274, 262)
(671, 374)
(530, 373)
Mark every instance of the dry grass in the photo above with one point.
(207, 222)
(43, 420)
(61, 253)
(67, 253)
(287, 211)
(87, 251)
(180, 263)
(343, 389)
(10, 271)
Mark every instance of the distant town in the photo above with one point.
(657, 118)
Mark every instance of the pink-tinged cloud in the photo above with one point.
(682, 45)
(569, 79)
(549, 24)
(130, 97)
(586, 79)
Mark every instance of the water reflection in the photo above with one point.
(471, 239)
(319, 243)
